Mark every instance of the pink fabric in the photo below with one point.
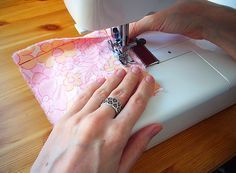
(58, 70)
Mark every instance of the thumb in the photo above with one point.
(149, 23)
(141, 26)
(136, 145)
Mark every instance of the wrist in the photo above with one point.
(220, 28)
(210, 28)
(219, 20)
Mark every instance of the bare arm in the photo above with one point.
(222, 28)
(197, 19)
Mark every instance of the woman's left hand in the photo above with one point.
(88, 139)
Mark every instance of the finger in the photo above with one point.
(84, 97)
(123, 92)
(141, 26)
(136, 146)
(136, 104)
(102, 93)
(152, 22)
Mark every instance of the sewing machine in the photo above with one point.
(198, 79)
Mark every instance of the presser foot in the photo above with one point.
(138, 47)
(121, 53)
(120, 44)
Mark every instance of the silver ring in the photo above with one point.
(114, 103)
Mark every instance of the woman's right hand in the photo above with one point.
(197, 19)
(186, 17)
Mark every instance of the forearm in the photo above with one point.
(196, 19)
(221, 28)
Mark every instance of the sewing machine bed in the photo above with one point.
(197, 79)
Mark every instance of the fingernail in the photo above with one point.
(120, 72)
(135, 70)
(155, 130)
(149, 79)
(101, 80)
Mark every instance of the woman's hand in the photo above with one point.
(197, 19)
(186, 17)
(88, 139)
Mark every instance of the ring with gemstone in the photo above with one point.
(114, 103)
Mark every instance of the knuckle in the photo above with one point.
(121, 93)
(139, 100)
(90, 127)
(132, 79)
(94, 121)
(90, 121)
(102, 94)
(84, 97)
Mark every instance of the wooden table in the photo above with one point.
(24, 128)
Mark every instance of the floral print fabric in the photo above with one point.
(58, 70)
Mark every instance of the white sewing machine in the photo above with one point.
(197, 77)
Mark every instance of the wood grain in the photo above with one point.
(24, 128)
